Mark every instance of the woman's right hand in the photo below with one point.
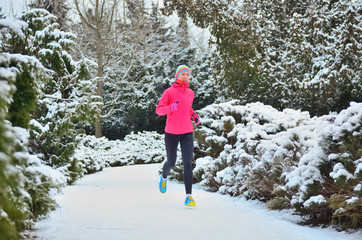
(174, 106)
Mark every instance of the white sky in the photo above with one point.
(13, 7)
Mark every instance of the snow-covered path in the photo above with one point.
(125, 203)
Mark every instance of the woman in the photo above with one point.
(176, 102)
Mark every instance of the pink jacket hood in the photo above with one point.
(179, 121)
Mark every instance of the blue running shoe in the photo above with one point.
(163, 184)
(189, 201)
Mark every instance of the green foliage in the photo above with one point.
(346, 215)
(40, 202)
(316, 214)
(8, 209)
(49, 44)
(203, 81)
(24, 99)
(299, 54)
(68, 101)
(24, 195)
(44, 90)
(278, 203)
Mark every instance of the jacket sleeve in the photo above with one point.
(191, 112)
(163, 106)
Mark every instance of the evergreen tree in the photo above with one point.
(203, 82)
(299, 83)
(25, 192)
(235, 37)
(298, 54)
(160, 39)
(183, 32)
(68, 94)
(347, 64)
(25, 98)
(8, 208)
(58, 8)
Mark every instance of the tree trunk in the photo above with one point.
(101, 23)
(98, 128)
(100, 83)
(98, 123)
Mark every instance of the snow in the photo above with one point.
(339, 170)
(41, 170)
(359, 166)
(5, 89)
(315, 199)
(26, 59)
(37, 125)
(15, 25)
(125, 203)
(352, 200)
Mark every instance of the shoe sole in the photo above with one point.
(191, 204)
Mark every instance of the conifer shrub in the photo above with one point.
(285, 158)
(315, 211)
(279, 203)
(24, 99)
(137, 148)
(37, 185)
(43, 97)
(24, 186)
(347, 212)
(9, 213)
(67, 101)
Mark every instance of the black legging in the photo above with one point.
(187, 149)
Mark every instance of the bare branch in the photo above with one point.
(82, 16)
(116, 99)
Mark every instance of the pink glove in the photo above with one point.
(196, 118)
(174, 106)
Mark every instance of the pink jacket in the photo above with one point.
(179, 121)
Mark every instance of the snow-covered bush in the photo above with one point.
(143, 147)
(284, 158)
(67, 98)
(332, 167)
(137, 148)
(8, 177)
(44, 95)
(40, 181)
(26, 184)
